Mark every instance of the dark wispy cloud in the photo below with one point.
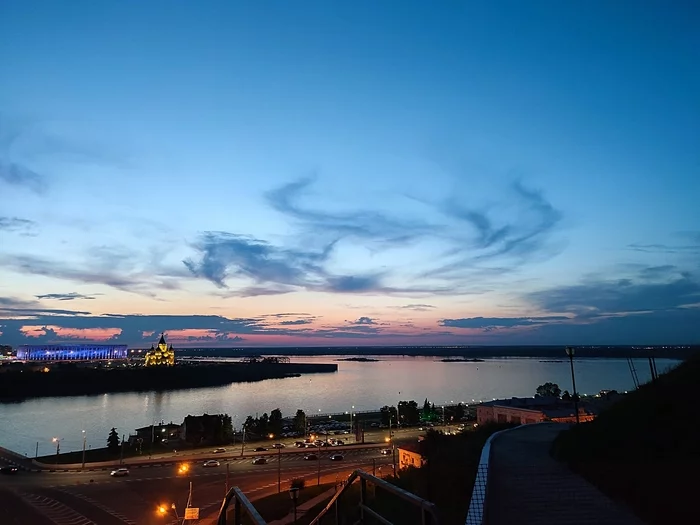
(594, 298)
(15, 224)
(15, 174)
(224, 255)
(689, 243)
(364, 320)
(65, 296)
(115, 273)
(417, 307)
(296, 322)
(363, 224)
(495, 323)
(505, 242)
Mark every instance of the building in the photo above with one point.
(410, 456)
(163, 433)
(525, 410)
(162, 355)
(90, 352)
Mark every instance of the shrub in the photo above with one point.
(298, 483)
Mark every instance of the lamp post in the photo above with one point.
(352, 429)
(294, 493)
(570, 353)
(84, 441)
(58, 447)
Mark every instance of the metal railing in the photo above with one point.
(242, 505)
(428, 510)
(475, 515)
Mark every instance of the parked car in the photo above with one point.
(310, 457)
(337, 457)
(278, 445)
(212, 463)
(260, 449)
(9, 470)
(300, 444)
(219, 450)
(385, 452)
(259, 461)
(119, 472)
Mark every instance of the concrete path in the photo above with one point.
(528, 487)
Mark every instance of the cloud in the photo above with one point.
(494, 323)
(15, 174)
(605, 297)
(364, 321)
(65, 296)
(115, 272)
(364, 224)
(512, 242)
(296, 322)
(416, 307)
(691, 246)
(15, 224)
(224, 255)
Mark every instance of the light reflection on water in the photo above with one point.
(366, 385)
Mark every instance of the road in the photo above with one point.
(84, 498)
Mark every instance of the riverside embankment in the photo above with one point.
(67, 379)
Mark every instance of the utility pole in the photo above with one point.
(318, 460)
(228, 471)
(36, 454)
(121, 456)
(279, 470)
(153, 437)
(242, 440)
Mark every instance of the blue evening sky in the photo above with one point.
(320, 173)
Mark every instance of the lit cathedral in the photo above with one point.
(161, 356)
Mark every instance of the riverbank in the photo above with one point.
(67, 379)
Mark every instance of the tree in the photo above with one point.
(113, 441)
(300, 421)
(548, 390)
(426, 407)
(386, 412)
(276, 422)
(566, 396)
(408, 412)
(459, 412)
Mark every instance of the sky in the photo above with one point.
(349, 173)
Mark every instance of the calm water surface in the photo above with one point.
(367, 386)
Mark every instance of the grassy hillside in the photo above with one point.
(645, 450)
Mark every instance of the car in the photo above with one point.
(9, 470)
(310, 457)
(259, 461)
(311, 445)
(119, 472)
(260, 449)
(278, 445)
(211, 463)
(385, 452)
(219, 450)
(300, 444)
(337, 457)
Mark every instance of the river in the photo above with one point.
(364, 385)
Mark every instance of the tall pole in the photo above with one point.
(279, 470)
(570, 353)
(153, 437)
(84, 440)
(228, 471)
(318, 460)
(121, 454)
(36, 453)
(242, 440)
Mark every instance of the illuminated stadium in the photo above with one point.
(70, 352)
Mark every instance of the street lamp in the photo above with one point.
(352, 429)
(294, 494)
(58, 447)
(84, 441)
(570, 353)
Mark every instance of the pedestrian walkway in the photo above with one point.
(527, 486)
(306, 507)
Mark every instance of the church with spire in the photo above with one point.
(162, 355)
